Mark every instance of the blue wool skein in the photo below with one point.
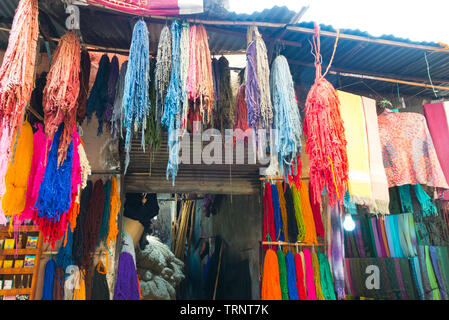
(172, 109)
(55, 190)
(136, 102)
(287, 119)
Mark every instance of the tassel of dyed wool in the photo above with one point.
(287, 120)
(271, 287)
(269, 232)
(17, 70)
(92, 222)
(104, 227)
(225, 106)
(172, 109)
(153, 137)
(298, 213)
(240, 114)
(136, 103)
(184, 66)
(55, 190)
(325, 135)
(252, 89)
(62, 90)
(78, 233)
(112, 85)
(263, 77)
(117, 116)
(316, 210)
(98, 97)
(114, 211)
(307, 214)
(16, 178)
(163, 70)
(199, 74)
(317, 277)
(84, 86)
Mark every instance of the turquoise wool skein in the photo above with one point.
(287, 119)
(136, 102)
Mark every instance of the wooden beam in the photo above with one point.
(415, 84)
(372, 74)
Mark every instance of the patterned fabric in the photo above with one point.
(408, 152)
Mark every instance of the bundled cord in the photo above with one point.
(163, 70)
(287, 120)
(172, 109)
(61, 92)
(98, 97)
(136, 103)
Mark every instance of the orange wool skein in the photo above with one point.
(307, 214)
(115, 205)
(271, 286)
(16, 178)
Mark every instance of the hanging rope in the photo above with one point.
(136, 103)
(199, 74)
(84, 86)
(98, 97)
(117, 116)
(325, 137)
(287, 120)
(263, 77)
(172, 109)
(61, 92)
(163, 70)
(112, 86)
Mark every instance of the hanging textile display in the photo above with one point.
(104, 227)
(62, 90)
(252, 89)
(84, 86)
(325, 136)
(316, 210)
(337, 251)
(298, 213)
(279, 231)
(271, 287)
(306, 211)
(112, 86)
(359, 181)
(98, 97)
(16, 81)
(378, 177)
(80, 289)
(49, 277)
(409, 156)
(184, 47)
(287, 120)
(291, 276)
(199, 74)
(171, 118)
(327, 284)
(240, 113)
(114, 207)
(136, 103)
(263, 77)
(292, 226)
(282, 274)
(100, 289)
(225, 105)
(300, 279)
(64, 256)
(317, 276)
(78, 233)
(126, 287)
(163, 70)
(16, 178)
(269, 232)
(117, 115)
(309, 276)
(283, 211)
(92, 222)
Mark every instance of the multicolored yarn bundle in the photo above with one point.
(136, 103)
(60, 98)
(325, 135)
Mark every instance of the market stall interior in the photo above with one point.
(189, 152)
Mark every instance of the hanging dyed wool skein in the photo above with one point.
(62, 90)
(163, 70)
(252, 89)
(325, 135)
(153, 136)
(16, 81)
(78, 233)
(117, 116)
(114, 208)
(136, 103)
(184, 45)
(106, 211)
(98, 97)
(287, 120)
(112, 85)
(225, 107)
(172, 109)
(84, 86)
(199, 74)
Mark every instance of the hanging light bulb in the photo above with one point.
(348, 223)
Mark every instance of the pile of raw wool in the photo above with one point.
(160, 272)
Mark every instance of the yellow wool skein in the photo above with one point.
(16, 178)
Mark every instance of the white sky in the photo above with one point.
(413, 19)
